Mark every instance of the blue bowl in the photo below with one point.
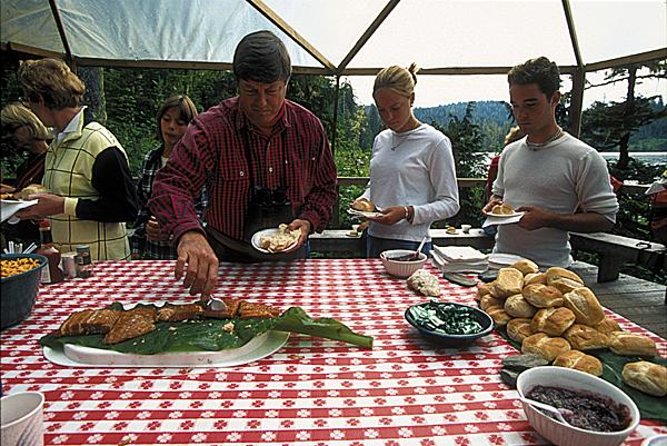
(441, 337)
(19, 291)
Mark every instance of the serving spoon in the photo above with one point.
(215, 304)
(558, 413)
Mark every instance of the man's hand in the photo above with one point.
(304, 227)
(154, 232)
(49, 204)
(200, 264)
(535, 218)
(6, 188)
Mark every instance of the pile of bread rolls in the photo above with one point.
(554, 315)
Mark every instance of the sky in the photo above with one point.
(432, 91)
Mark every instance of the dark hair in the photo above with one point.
(262, 57)
(540, 71)
(186, 109)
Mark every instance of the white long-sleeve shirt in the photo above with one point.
(559, 177)
(413, 168)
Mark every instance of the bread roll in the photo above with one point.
(489, 301)
(535, 278)
(552, 321)
(483, 289)
(30, 189)
(508, 283)
(646, 377)
(363, 205)
(525, 266)
(555, 273)
(607, 326)
(547, 347)
(499, 316)
(629, 344)
(583, 337)
(519, 328)
(518, 306)
(542, 296)
(585, 306)
(563, 279)
(578, 360)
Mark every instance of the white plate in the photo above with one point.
(271, 231)
(364, 214)
(11, 207)
(513, 214)
(80, 356)
(503, 259)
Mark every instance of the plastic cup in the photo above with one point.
(22, 419)
(466, 228)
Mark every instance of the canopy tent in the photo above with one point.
(345, 37)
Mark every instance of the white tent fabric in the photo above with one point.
(339, 36)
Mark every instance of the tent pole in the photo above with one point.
(334, 130)
(576, 103)
(61, 31)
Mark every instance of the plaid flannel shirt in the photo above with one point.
(142, 248)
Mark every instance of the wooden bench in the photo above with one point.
(338, 241)
(615, 250)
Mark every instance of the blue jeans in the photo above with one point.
(375, 245)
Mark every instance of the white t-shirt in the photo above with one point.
(413, 168)
(559, 177)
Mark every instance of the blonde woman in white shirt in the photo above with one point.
(412, 174)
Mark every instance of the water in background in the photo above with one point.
(652, 158)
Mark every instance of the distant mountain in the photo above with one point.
(497, 112)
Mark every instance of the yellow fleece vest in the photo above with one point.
(68, 170)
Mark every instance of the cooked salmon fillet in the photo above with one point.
(131, 324)
(175, 313)
(89, 322)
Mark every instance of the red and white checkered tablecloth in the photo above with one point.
(405, 391)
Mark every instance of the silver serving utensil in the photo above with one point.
(558, 413)
(215, 304)
(415, 256)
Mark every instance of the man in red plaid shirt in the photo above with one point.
(261, 156)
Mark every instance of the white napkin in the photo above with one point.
(494, 221)
(460, 254)
(478, 265)
(11, 207)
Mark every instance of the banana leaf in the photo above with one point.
(210, 335)
(650, 407)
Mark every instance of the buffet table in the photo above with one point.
(312, 391)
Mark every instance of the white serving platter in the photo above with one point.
(80, 356)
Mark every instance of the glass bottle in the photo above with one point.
(51, 273)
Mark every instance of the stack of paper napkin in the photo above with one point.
(459, 259)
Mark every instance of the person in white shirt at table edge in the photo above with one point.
(559, 182)
(412, 174)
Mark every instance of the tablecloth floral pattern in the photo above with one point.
(404, 391)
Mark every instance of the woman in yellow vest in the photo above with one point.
(91, 192)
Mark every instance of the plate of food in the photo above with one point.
(503, 210)
(275, 240)
(364, 208)
(166, 334)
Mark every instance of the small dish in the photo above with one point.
(412, 315)
(401, 268)
(255, 241)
